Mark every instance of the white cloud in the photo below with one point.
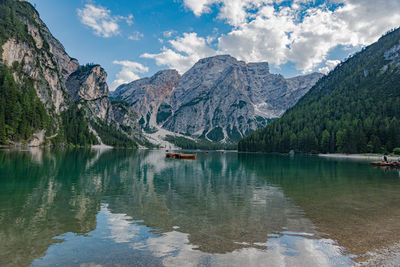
(185, 51)
(128, 73)
(135, 36)
(128, 19)
(168, 34)
(264, 38)
(329, 65)
(101, 21)
(303, 32)
(199, 6)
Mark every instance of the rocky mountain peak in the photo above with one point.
(226, 59)
(165, 74)
(219, 99)
(88, 83)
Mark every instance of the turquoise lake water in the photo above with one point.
(137, 208)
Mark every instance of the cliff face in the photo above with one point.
(87, 86)
(44, 60)
(88, 83)
(34, 54)
(147, 95)
(219, 99)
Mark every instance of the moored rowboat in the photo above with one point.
(392, 164)
(180, 156)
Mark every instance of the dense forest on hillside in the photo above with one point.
(111, 136)
(21, 111)
(22, 114)
(354, 109)
(10, 23)
(75, 127)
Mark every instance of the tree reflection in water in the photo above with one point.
(124, 207)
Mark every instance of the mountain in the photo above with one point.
(46, 96)
(354, 109)
(148, 94)
(219, 99)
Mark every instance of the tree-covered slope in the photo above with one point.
(354, 109)
(21, 112)
(46, 97)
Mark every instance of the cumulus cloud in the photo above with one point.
(136, 36)
(100, 20)
(199, 6)
(184, 52)
(264, 38)
(128, 73)
(301, 31)
(329, 65)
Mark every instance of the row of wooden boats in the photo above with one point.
(391, 164)
(180, 156)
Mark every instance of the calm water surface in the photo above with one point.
(136, 208)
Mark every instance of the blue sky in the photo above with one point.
(133, 39)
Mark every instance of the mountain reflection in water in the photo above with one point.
(138, 208)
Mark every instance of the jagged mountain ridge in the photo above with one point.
(220, 98)
(33, 54)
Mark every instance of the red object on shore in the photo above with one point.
(180, 156)
(392, 164)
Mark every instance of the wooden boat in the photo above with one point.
(180, 156)
(392, 164)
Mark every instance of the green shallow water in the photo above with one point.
(136, 208)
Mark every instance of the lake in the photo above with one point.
(137, 208)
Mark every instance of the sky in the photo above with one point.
(132, 39)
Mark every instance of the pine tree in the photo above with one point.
(345, 111)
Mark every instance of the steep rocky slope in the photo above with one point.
(36, 58)
(148, 94)
(219, 99)
(87, 86)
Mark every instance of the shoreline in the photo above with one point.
(359, 156)
(101, 147)
(388, 256)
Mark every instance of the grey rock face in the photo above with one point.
(125, 118)
(88, 83)
(44, 60)
(60, 80)
(393, 56)
(146, 95)
(87, 86)
(220, 98)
